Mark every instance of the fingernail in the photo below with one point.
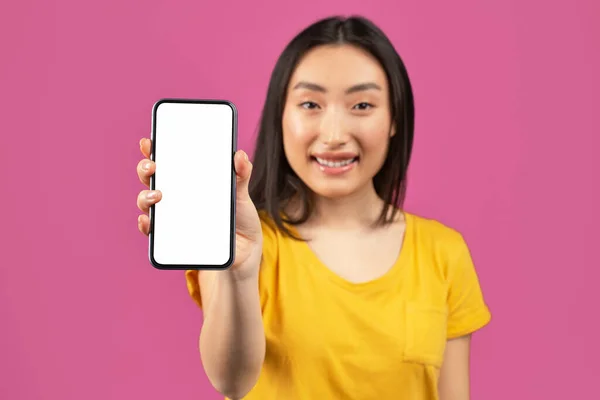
(146, 166)
(151, 195)
(245, 156)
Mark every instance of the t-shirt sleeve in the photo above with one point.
(269, 257)
(467, 308)
(193, 286)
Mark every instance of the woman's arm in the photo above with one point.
(232, 340)
(454, 376)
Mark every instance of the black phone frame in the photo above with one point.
(152, 211)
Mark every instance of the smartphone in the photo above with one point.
(193, 144)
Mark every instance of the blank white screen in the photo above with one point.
(193, 155)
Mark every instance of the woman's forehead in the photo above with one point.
(338, 67)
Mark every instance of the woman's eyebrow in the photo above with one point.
(353, 89)
(310, 86)
(363, 87)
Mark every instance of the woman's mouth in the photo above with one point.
(335, 164)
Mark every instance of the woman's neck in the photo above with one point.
(356, 211)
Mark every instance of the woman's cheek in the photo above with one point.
(299, 130)
(374, 145)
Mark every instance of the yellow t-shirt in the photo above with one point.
(328, 338)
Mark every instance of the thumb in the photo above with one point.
(243, 170)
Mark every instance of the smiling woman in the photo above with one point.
(336, 292)
(340, 117)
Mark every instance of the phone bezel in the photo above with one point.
(153, 261)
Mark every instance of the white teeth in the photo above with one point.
(334, 164)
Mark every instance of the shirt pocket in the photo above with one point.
(425, 327)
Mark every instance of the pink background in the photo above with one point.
(507, 133)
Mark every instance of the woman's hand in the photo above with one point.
(248, 228)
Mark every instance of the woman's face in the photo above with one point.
(337, 120)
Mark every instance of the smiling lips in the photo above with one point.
(335, 163)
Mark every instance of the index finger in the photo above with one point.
(145, 147)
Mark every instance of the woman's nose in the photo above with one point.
(332, 129)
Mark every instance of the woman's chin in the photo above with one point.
(333, 191)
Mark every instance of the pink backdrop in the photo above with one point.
(506, 137)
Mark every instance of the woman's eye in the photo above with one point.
(309, 105)
(363, 106)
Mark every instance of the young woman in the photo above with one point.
(336, 292)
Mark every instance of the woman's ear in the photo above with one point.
(393, 130)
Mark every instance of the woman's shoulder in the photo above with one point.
(274, 231)
(435, 234)
(445, 247)
(273, 236)
(269, 227)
